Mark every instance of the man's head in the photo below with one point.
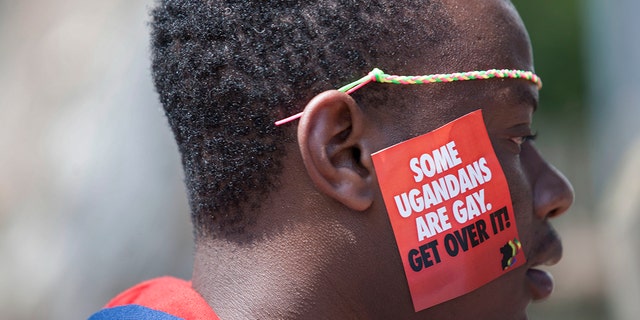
(306, 204)
(226, 70)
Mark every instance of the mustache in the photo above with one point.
(547, 250)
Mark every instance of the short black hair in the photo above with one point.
(225, 70)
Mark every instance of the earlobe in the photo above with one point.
(334, 151)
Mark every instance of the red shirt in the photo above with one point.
(170, 295)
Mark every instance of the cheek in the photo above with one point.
(521, 195)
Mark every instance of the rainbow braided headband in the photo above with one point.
(377, 75)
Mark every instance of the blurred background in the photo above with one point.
(91, 197)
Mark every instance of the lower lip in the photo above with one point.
(540, 283)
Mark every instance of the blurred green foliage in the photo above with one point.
(556, 31)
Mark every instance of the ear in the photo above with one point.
(330, 137)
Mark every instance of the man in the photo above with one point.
(291, 221)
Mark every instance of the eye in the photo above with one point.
(522, 139)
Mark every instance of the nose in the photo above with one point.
(552, 192)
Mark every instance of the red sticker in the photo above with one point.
(450, 209)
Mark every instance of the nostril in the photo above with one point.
(554, 213)
(564, 198)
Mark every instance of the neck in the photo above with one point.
(312, 258)
(287, 276)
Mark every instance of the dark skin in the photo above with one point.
(324, 248)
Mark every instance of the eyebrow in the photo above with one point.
(527, 97)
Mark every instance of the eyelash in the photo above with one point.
(530, 137)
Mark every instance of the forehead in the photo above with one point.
(489, 34)
(492, 35)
